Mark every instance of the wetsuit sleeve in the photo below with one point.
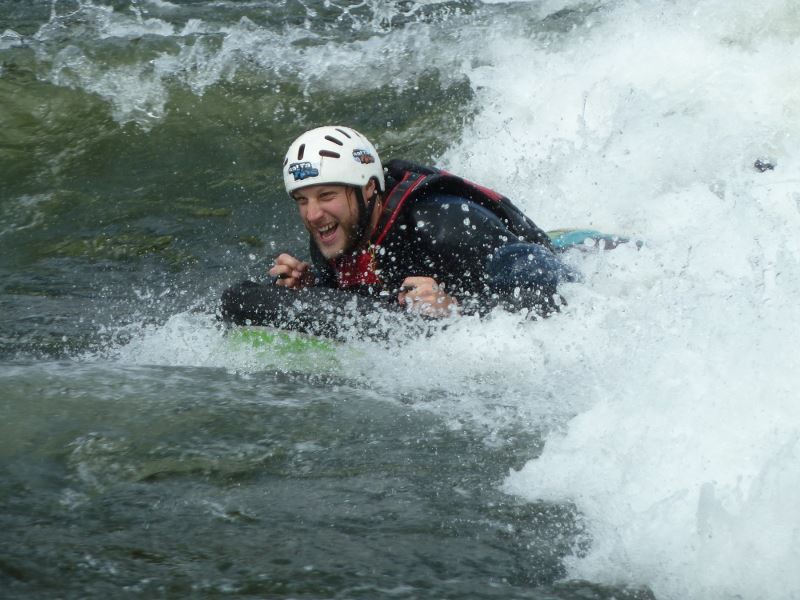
(315, 310)
(484, 264)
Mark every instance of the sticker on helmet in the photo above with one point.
(303, 170)
(363, 156)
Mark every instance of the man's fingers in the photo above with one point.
(281, 271)
(286, 259)
(424, 295)
(423, 291)
(288, 282)
(289, 272)
(291, 263)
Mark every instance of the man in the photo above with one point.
(409, 240)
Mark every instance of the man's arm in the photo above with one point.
(525, 276)
(484, 264)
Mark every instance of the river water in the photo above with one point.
(644, 443)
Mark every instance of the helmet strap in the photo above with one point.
(364, 218)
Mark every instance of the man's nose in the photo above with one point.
(313, 210)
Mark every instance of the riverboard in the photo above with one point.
(304, 350)
(584, 239)
(285, 349)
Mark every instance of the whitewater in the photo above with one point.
(650, 121)
(663, 397)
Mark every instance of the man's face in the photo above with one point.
(330, 213)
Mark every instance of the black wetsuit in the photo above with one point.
(444, 228)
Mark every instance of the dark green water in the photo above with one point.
(187, 482)
(140, 145)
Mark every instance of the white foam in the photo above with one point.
(186, 339)
(10, 38)
(210, 52)
(192, 339)
(649, 121)
(675, 365)
(162, 4)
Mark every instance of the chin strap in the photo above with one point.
(364, 219)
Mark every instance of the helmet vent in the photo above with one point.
(343, 132)
(301, 151)
(330, 154)
(330, 138)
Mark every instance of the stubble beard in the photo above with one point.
(351, 242)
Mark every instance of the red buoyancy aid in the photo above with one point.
(408, 181)
(356, 269)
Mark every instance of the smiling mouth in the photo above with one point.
(328, 233)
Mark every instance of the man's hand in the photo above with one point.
(291, 272)
(425, 296)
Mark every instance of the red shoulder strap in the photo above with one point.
(395, 200)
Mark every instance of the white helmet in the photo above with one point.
(331, 155)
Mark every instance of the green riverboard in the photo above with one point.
(286, 349)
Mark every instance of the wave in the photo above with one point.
(667, 385)
(674, 122)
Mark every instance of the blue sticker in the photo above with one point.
(303, 170)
